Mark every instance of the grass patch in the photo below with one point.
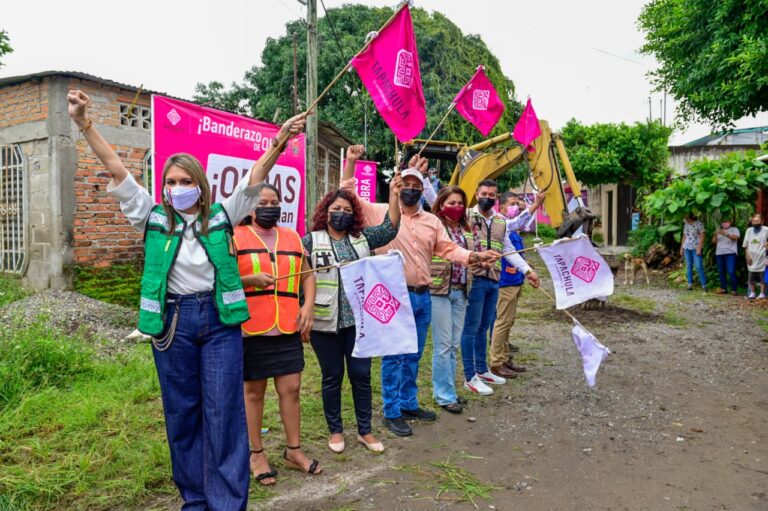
(451, 481)
(119, 284)
(672, 318)
(11, 290)
(644, 305)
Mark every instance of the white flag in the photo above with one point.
(592, 352)
(376, 291)
(578, 272)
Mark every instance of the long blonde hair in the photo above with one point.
(191, 166)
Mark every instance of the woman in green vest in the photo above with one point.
(339, 236)
(192, 304)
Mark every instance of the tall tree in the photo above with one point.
(5, 45)
(447, 57)
(618, 153)
(713, 56)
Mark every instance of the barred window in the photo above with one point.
(140, 116)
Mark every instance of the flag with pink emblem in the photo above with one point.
(376, 290)
(389, 69)
(578, 272)
(479, 103)
(527, 128)
(591, 351)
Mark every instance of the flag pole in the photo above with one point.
(555, 301)
(313, 270)
(346, 67)
(537, 246)
(450, 109)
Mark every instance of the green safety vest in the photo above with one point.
(327, 281)
(484, 238)
(160, 251)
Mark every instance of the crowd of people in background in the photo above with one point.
(726, 242)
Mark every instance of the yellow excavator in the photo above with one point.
(491, 158)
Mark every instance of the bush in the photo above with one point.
(547, 232)
(11, 290)
(119, 284)
(641, 239)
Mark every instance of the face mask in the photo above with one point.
(410, 196)
(454, 212)
(513, 211)
(485, 204)
(267, 216)
(182, 197)
(341, 221)
(757, 228)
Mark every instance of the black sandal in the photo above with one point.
(295, 466)
(453, 408)
(264, 475)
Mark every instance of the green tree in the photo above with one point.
(713, 56)
(618, 153)
(447, 58)
(5, 45)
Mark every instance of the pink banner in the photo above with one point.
(227, 145)
(365, 173)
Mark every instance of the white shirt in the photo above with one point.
(192, 272)
(754, 244)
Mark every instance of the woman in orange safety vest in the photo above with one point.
(272, 337)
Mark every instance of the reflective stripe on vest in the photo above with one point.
(275, 306)
(160, 251)
(327, 281)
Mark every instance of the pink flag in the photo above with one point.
(479, 103)
(527, 128)
(389, 69)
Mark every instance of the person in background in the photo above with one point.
(421, 237)
(754, 244)
(338, 236)
(726, 240)
(693, 240)
(510, 205)
(272, 337)
(449, 300)
(434, 180)
(192, 304)
(489, 233)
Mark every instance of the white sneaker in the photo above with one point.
(761, 296)
(477, 386)
(489, 377)
(751, 295)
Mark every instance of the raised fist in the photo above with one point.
(355, 152)
(78, 105)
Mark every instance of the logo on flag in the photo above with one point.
(173, 116)
(578, 272)
(480, 99)
(585, 268)
(381, 304)
(404, 69)
(482, 107)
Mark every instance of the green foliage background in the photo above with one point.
(5, 45)
(447, 58)
(713, 56)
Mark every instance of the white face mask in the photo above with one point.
(182, 197)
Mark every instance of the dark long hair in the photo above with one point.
(437, 207)
(320, 218)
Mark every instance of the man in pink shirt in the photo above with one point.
(421, 236)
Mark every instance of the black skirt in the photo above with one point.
(267, 356)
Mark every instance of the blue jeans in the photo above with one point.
(201, 382)
(447, 324)
(399, 372)
(690, 259)
(481, 309)
(726, 264)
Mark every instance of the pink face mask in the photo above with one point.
(513, 211)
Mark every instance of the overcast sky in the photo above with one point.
(574, 59)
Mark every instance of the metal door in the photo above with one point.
(13, 237)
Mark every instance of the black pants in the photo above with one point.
(331, 350)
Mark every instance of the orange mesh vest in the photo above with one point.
(274, 306)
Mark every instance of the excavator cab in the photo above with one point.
(491, 158)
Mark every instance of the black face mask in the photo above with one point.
(341, 221)
(757, 228)
(485, 204)
(410, 196)
(267, 217)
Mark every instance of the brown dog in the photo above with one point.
(631, 266)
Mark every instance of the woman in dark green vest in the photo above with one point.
(192, 304)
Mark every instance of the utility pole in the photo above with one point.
(650, 110)
(311, 138)
(295, 78)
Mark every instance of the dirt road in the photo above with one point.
(678, 420)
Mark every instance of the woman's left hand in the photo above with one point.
(698, 252)
(305, 321)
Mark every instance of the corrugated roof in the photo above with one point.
(742, 137)
(14, 80)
